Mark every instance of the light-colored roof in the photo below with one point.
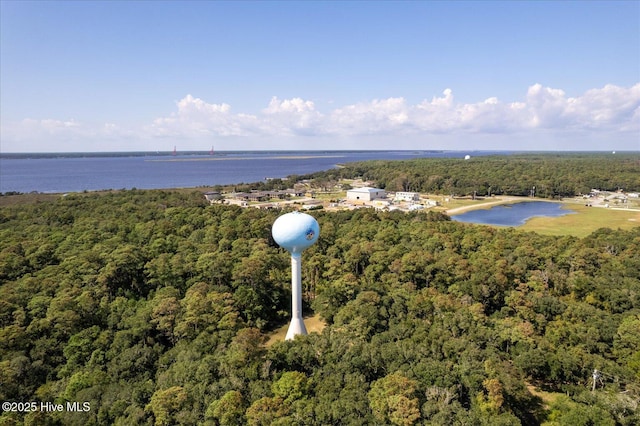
(365, 189)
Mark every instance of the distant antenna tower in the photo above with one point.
(295, 232)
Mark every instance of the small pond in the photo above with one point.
(513, 214)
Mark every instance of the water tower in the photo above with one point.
(295, 232)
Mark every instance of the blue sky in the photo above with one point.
(114, 76)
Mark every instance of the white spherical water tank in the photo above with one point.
(295, 232)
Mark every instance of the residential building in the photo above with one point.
(407, 196)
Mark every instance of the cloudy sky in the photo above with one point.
(128, 76)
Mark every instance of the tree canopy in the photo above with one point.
(552, 175)
(154, 307)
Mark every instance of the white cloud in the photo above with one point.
(609, 108)
(29, 128)
(377, 116)
(295, 105)
(31, 135)
(446, 101)
(611, 111)
(290, 117)
(53, 126)
(196, 118)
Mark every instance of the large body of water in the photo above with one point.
(513, 214)
(54, 173)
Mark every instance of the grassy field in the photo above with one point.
(584, 221)
(313, 324)
(15, 200)
(455, 203)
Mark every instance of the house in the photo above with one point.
(240, 196)
(213, 196)
(312, 205)
(365, 194)
(237, 202)
(280, 195)
(249, 196)
(407, 196)
(295, 192)
(258, 196)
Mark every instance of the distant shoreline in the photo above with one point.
(279, 157)
(258, 153)
(77, 172)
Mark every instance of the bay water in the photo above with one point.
(77, 172)
(513, 214)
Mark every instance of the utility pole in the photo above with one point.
(596, 377)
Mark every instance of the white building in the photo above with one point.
(213, 196)
(407, 196)
(365, 194)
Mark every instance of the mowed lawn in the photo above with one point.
(584, 221)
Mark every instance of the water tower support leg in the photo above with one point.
(297, 324)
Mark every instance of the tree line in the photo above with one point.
(155, 307)
(552, 175)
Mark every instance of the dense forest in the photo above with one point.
(552, 175)
(154, 308)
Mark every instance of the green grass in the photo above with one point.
(21, 199)
(456, 203)
(314, 324)
(583, 222)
